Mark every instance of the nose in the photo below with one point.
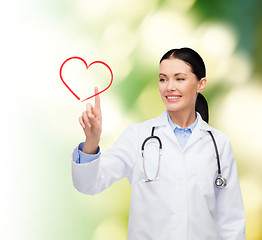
(171, 87)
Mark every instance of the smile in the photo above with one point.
(173, 98)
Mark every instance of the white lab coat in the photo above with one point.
(183, 204)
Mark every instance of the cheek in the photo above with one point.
(160, 88)
(190, 89)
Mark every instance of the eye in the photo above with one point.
(180, 79)
(162, 80)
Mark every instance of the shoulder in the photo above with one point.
(146, 126)
(154, 122)
(221, 138)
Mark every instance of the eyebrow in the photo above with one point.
(174, 74)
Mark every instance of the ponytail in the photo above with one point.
(202, 107)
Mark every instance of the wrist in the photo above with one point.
(90, 147)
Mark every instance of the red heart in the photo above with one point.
(87, 66)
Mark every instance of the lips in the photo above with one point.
(173, 98)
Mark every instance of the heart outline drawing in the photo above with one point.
(87, 66)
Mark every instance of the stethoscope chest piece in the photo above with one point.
(220, 181)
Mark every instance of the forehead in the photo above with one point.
(173, 66)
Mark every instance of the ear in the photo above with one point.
(201, 85)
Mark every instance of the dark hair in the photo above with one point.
(193, 59)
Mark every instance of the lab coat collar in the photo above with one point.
(202, 124)
(162, 120)
(201, 128)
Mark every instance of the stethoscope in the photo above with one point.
(220, 181)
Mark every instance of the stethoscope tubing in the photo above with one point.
(217, 155)
(160, 151)
(220, 181)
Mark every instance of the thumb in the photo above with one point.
(94, 122)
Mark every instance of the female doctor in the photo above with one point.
(179, 188)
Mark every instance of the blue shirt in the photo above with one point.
(182, 135)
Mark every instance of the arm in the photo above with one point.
(84, 165)
(94, 176)
(230, 209)
(112, 165)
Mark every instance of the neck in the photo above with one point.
(183, 119)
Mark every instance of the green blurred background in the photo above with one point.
(39, 121)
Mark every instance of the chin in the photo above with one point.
(177, 108)
(173, 107)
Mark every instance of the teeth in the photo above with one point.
(173, 97)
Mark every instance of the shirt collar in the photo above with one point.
(174, 126)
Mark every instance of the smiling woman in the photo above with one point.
(172, 171)
(182, 77)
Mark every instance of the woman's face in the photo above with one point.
(178, 85)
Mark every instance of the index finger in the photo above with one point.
(97, 99)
